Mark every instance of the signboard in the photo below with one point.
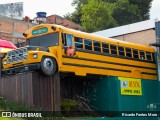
(130, 86)
(39, 31)
(13, 10)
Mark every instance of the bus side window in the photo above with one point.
(78, 42)
(121, 50)
(148, 55)
(88, 44)
(135, 54)
(113, 49)
(142, 55)
(64, 39)
(128, 52)
(97, 47)
(105, 48)
(68, 40)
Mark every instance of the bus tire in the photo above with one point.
(48, 66)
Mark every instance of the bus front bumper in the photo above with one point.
(20, 69)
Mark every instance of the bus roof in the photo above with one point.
(96, 37)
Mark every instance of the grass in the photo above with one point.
(7, 105)
(2, 118)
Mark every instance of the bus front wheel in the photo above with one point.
(48, 66)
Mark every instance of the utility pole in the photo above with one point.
(157, 45)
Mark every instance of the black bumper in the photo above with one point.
(19, 69)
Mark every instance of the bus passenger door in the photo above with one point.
(67, 41)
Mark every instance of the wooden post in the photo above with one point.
(1, 67)
(1, 57)
(46, 91)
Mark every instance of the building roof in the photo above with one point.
(126, 29)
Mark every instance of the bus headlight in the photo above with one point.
(4, 62)
(35, 56)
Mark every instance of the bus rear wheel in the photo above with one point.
(48, 66)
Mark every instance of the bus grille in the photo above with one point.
(17, 55)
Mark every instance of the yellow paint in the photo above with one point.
(130, 86)
(109, 66)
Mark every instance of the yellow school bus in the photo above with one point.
(50, 48)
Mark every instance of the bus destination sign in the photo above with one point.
(39, 31)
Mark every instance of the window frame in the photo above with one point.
(78, 42)
(97, 46)
(123, 51)
(115, 50)
(103, 43)
(88, 45)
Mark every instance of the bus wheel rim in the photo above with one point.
(48, 64)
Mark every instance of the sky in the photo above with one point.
(62, 7)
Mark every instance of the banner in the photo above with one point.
(130, 86)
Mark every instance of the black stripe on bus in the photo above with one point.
(72, 64)
(111, 55)
(86, 59)
(149, 73)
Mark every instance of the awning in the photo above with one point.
(7, 44)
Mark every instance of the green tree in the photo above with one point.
(144, 7)
(126, 13)
(96, 15)
(77, 14)
(113, 13)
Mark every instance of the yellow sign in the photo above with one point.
(130, 86)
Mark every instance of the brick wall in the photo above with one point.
(12, 29)
(55, 19)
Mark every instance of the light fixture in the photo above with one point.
(35, 56)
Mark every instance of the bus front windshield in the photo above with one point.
(44, 41)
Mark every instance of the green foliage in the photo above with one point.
(67, 104)
(96, 15)
(13, 106)
(126, 13)
(144, 7)
(75, 16)
(79, 3)
(8, 105)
